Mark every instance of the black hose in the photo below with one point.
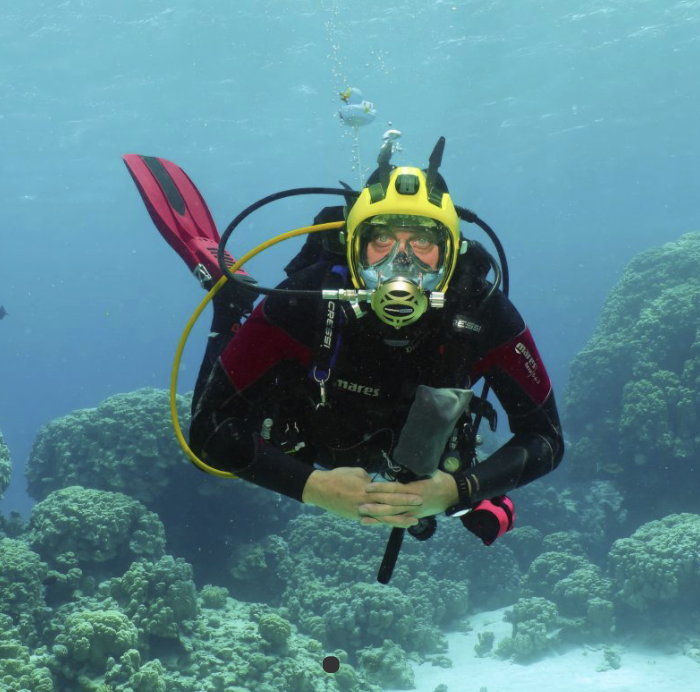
(471, 217)
(246, 283)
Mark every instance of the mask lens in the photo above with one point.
(412, 248)
(380, 245)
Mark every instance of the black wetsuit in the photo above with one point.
(264, 373)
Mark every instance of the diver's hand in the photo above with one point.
(438, 492)
(343, 491)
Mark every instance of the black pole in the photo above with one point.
(393, 547)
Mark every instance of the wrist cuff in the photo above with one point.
(464, 490)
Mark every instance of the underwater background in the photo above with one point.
(571, 129)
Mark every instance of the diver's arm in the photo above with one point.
(276, 341)
(345, 491)
(515, 371)
(225, 434)
(228, 438)
(227, 419)
(531, 453)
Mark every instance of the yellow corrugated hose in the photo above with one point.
(200, 308)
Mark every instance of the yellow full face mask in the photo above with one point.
(408, 203)
(402, 240)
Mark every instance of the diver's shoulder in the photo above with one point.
(297, 314)
(310, 278)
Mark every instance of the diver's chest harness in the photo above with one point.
(461, 327)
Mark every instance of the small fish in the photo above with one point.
(612, 468)
(3, 312)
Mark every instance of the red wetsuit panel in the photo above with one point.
(519, 359)
(258, 346)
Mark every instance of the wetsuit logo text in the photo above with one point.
(360, 389)
(330, 321)
(462, 324)
(530, 362)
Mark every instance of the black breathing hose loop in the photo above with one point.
(470, 217)
(254, 207)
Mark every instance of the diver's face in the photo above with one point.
(419, 242)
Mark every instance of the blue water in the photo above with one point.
(571, 128)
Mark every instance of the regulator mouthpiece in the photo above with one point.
(399, 302)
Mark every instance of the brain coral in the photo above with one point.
(94, 525)
(633, 401)
(126, 444)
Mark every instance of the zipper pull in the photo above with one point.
(321, 382)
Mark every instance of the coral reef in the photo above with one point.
(388, 666)
(275, 631)
(332, 594)
(5, 466)
(485, 644)
(91, 638)
(574, 593)
(576, 587)
(91, 602)
(94, 526)
(492, 573)
(22, 573)
(159, 597)
(214, 597)
(324, 570)
(20, 669)
(633, 400)
(261, 569)
(593, 510)
(126, 444)
(526, 544)
(230, 653)
(548, 569)
(658, 565)
(150, 631)
(535, 630)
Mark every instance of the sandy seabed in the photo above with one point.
(642, 669)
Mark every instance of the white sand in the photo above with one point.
(642, 670)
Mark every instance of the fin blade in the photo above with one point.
(178, 210)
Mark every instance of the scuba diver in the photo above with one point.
(308, 393)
